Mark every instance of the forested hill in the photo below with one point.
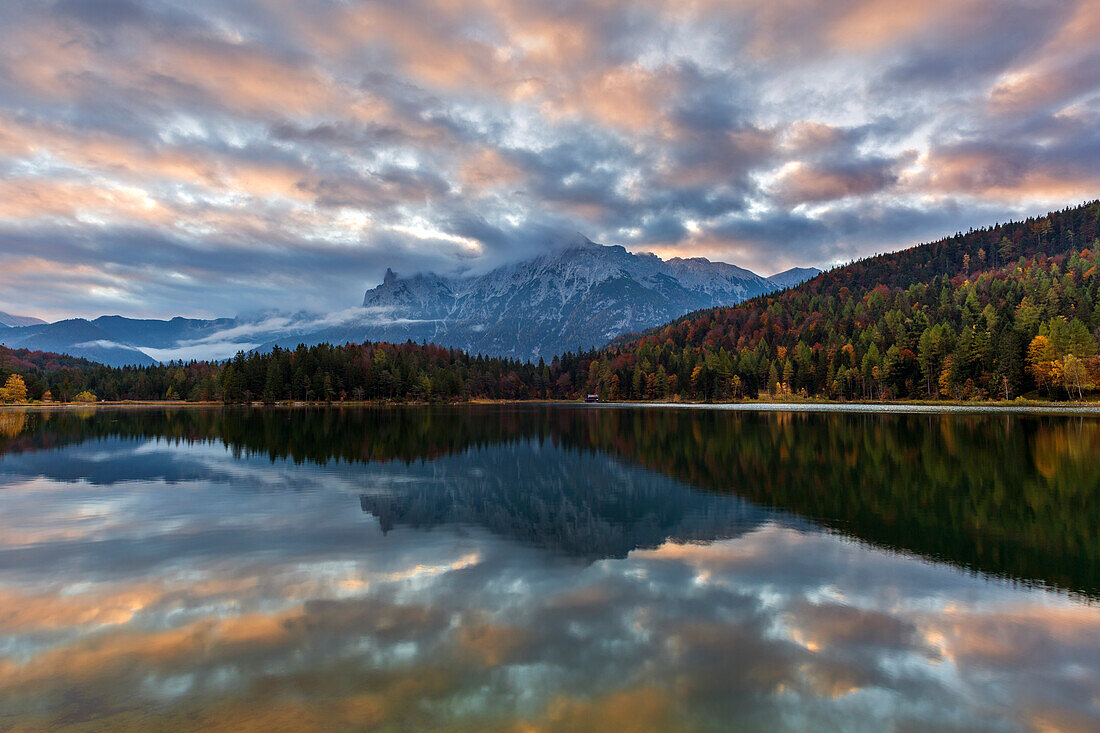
(967, 254)
(26, 360)
(995, 312)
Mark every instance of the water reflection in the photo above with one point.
(546, 569)
(563, 499)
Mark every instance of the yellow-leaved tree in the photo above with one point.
(1075, 377)
(1041, 358)
(14, 390)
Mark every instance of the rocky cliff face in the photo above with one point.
(578, 297)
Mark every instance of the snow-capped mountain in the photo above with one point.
(577, 297)
(794, 276)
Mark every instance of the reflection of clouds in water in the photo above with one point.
(595, 639)
(220, 592)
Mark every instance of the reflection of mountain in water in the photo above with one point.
(1013, 496)
(570, 501)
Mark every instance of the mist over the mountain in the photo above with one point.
(576, 296)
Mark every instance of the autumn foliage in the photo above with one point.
(993, 313)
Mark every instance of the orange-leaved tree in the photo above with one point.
(14, 390)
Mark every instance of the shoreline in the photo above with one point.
(1051, 408)
(916, 408)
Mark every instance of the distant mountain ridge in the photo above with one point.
(111, 340)
(76, 337)
(7, 319)
(578, 296)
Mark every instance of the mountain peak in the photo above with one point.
(793, 276)
(389, 277)
(579, 294)
(579, 241)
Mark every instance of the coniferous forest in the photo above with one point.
(997, 313)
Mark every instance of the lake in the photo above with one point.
(548, 568)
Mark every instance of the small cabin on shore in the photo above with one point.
(592, 398)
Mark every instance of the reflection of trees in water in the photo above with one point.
(12, 423)
(317, 435)
(1015, 495)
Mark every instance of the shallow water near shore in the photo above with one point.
(548, 568)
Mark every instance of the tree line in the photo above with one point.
(322, 373)
(996, 313)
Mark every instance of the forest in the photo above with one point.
(997, 313)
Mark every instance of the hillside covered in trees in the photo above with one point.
(36, 370)
(995, 313)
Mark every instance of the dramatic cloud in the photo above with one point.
(207, 158)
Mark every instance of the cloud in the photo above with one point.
(1061, 168)
(802, 183)
(102, 344)
(249, 334)
(207, 159)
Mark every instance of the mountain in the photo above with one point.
(577, 297)
(794, 276)
(75, 337)
(7, 319)
(1006, 311)
(115, 340)
(159, 334)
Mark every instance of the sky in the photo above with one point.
(208, 159)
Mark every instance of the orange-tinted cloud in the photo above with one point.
(767, 133)
(1005, 174)
(488, 168)
(871, 24)
(811, 135)
(1066, 66)
(807, 183)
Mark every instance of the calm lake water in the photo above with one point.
(541, 568)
